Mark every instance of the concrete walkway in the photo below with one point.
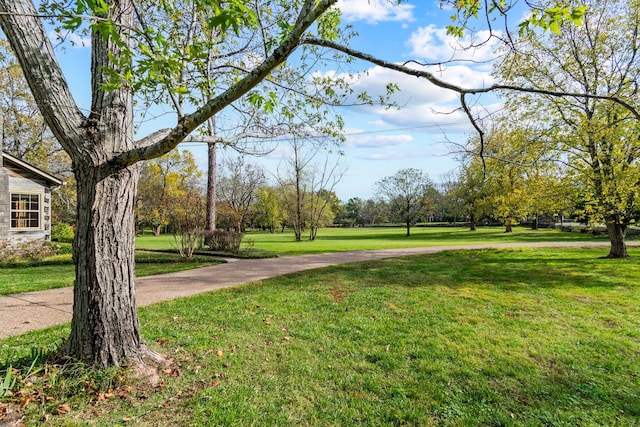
(20, 313)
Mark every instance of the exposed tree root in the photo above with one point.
(151, 365)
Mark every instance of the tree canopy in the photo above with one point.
(595, 137)
(410, 194)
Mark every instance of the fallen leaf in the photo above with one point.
(63, 409)
(219, 353)
(127, 420)
(124, 391)
(215, 384)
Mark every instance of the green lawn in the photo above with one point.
(349, 239)
(527, 337)
(16, 279)
(61, 273)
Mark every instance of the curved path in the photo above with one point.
(20, 313)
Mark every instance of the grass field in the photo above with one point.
(463, 338)
(61, 273)
(350, 239)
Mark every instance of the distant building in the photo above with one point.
(25, 200)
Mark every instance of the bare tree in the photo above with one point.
(238, 188)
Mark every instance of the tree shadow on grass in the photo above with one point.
(502, 269)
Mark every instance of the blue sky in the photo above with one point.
(379, 141)
(382, 141)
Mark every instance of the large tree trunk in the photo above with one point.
(105, 326)
(408, 228)
(472, 222)
(617, 233)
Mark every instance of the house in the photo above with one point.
(25, 200)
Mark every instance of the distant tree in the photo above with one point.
(162, 181)
(374, 212)
(310, 171)
(410, 195)
(506, 196)
(323, 206)
(268, 210)
(451, 205)
(517, 178)
(187, 217)
(349, 213)
(238, 190)
(470, 191)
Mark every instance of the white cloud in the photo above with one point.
(413, 90)
(374, 11)
(422, 106)
(421, 103)
(433, 43)
(376, 141)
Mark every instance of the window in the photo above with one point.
(25, 211)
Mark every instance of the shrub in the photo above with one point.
(30, 251)
(222, 240)
(63, 248)
(62, 232)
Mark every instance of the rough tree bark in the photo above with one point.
(617, 233)
(105, 327)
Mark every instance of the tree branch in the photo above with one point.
(402, 68)
(310, 11)
(20, 23)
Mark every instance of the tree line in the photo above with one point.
(171, 196)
